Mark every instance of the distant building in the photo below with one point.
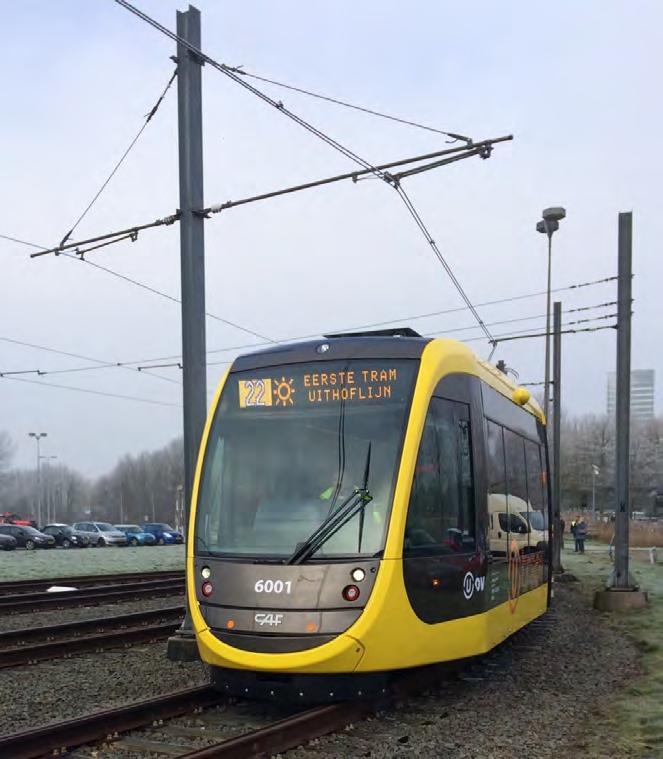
(642, 394)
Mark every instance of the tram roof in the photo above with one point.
(389, 343)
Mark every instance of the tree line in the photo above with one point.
(140, 488)
(146, 487)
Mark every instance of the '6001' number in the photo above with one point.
(273, 586)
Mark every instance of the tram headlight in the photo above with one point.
(206, 589)
(205, 573)
(358, 574)
(351, 592)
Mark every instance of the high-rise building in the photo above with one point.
(642, 394)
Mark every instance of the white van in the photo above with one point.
(511, 518)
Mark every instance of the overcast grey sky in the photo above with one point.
(578, 87)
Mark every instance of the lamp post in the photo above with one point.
(49, 516)
(37, 436)
(595, 473)
(548, 225)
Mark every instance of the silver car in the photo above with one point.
(106, 534)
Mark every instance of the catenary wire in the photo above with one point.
(148, 118)
(519, 335)
(149, 366)
(142, 285)
(237, 78)
(454, 136)
(231, 72)
(525, 334)
(151, 401)
(457, 309)
(438, 253)
(99, 362)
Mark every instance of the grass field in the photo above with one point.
(58, 562)
(638, 711)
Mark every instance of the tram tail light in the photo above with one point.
(351, 592)
(206, 589)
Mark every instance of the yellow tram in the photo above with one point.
(363, 504)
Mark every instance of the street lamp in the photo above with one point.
(548, 225)
(37, 436)
(595, 473)
(49, 517)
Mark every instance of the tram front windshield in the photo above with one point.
(288, 447)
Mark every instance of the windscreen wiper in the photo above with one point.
(354, 503)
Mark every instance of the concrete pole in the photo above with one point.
(623, 506)
(182, 646)
(557, 426)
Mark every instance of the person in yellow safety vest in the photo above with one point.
(375, 511)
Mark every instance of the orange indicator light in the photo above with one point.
(230, 624)
(311, 627)
(436, 582)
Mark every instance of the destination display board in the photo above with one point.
(307, 385)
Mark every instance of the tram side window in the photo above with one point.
(516, 477)
(441, 510)
(536, 486)
(496, 469)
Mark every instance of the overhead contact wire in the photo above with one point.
(232, 74)
(142, 285)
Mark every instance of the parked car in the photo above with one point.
(163, 533)
(66, 536)
(94, 537)
(136, 536)
(7, 542)
(105, 533)
(27, 537)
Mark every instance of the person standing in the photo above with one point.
(574, 523)
(562, 526)
(580, 535)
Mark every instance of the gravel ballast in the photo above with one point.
(545, 695)
(57, 690)
(550, 702)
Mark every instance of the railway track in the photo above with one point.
(35, 644)
(268, 737)
(22, 601)
(200, 723)
(85, 581)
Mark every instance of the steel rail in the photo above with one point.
(90, 596)
(45, 633)
(124, 631)
(30, 744)
(287, 733)
(86, 580)
(273, 738)
(64, 649)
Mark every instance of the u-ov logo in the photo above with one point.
(472, 583)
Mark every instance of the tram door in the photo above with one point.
(443, 571)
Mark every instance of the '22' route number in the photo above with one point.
(272, 586)
(256, 393)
